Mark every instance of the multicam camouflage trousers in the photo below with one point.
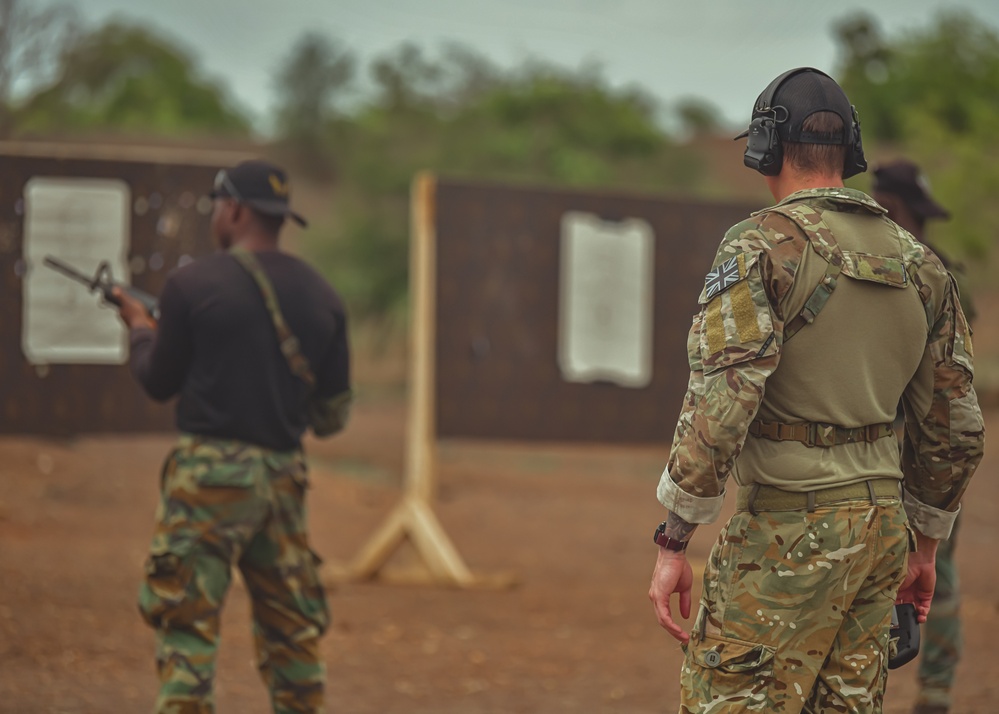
(795, 611)
(226, 503)
(942, 638)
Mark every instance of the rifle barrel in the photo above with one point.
(68, 270)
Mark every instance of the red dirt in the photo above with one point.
(577, 635)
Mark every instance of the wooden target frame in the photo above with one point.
(413, 518)
(454, 226)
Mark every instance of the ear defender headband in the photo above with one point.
(764, 150)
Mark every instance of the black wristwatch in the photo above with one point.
(661, 539)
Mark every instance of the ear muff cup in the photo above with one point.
(764, 149)
(764, 152)
(854, 162)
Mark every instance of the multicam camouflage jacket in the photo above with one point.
(738, 339)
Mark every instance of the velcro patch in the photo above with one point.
(724, 276)
(736, 322)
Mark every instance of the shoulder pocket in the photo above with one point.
(886, 270)
(736, 318)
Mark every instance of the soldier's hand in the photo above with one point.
(133, 313)
(921, 578)
(673, 574)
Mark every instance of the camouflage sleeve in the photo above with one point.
(328, 416)
(964, 292)
(733, 346)
(944, 432)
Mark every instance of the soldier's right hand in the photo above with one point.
(673, 574)
(921, 577)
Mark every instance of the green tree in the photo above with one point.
(698, 117)
(310, 84)
(127, 79)
(457, 114)
(30, 39)
(933, 95)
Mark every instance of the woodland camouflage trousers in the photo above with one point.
(226, 503)
(795, 611)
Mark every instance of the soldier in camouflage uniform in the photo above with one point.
(900, 187)
(254, 343)
(819, 314)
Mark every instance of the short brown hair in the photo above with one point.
(818, 158)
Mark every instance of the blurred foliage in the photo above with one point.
(698, 117)
(27, 35)
(457, 114)
(127, 79)
(309, 86)
(932, 95)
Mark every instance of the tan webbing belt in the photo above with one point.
(817, 434)
(757, 497)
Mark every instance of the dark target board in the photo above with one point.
(167, 224)
(497, 373)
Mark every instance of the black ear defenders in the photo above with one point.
(854, 162)
(764, 150)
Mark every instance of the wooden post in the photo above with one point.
(413, 518)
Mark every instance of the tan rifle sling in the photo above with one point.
(290, 346)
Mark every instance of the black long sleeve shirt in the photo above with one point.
(217, 348)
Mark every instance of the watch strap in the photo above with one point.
(661, 539)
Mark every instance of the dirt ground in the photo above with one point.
(577, 634)
(572, 523)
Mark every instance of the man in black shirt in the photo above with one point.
(254, 342)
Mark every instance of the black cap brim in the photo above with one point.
(743, 135)
(928, 208)
(276, 208)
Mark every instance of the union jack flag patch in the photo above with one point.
(721, 278)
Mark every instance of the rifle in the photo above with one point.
(104, 282)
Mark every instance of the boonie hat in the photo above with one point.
(258, 184)
(800, 96)
(904, 179)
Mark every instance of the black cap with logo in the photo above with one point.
(258, 184)
(904, 179)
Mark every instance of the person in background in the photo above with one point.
(818, 315)
(254, 342)
(901, 188)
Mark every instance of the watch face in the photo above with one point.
(660, 534)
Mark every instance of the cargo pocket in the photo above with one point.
(312, 596)
(166, 589)
(731, 671)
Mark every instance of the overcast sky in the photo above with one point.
(724, 51)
